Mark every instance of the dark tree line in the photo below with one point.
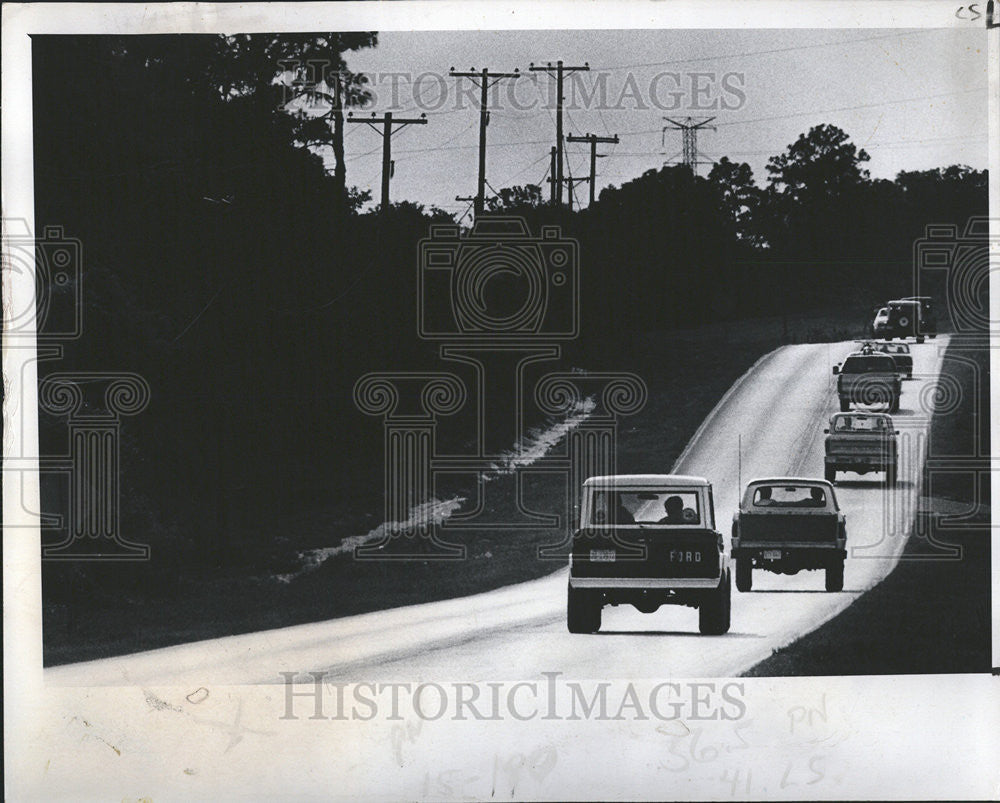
(248, 286)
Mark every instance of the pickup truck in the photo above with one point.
(868, 377)
(788, 524)
(900, 353)
(648, 540)
(861, 442)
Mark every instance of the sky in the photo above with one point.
(913, 99)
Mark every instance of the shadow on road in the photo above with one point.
(900, 484)
(691, 633)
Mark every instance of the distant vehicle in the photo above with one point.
(648, 540)
(881, 322)
(900, 353)
(786, 525)
(928, 319)
(861, 442)
(868, 377)
(902, 319)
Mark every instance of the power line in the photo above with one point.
(767, 52)
(639, 132)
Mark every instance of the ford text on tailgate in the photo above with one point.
(786, 525)
(648, 540)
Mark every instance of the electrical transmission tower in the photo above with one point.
(481, 78)
(561, 71)
(689, 136)
(593, 139)
(389, 126)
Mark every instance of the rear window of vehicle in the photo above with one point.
(789, 496)
(868, 364)
(859, 423)
(646, 507)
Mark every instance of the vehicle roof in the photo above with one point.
(645, 480)
(790, 481)
(878, 354)
(904, 301)
(860, 414)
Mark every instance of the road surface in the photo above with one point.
(776, 412)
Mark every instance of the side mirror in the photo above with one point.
(836, 369)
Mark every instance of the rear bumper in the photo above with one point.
(848, 462)
(757, 550)
(640, 583)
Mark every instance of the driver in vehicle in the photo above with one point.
(675, 511)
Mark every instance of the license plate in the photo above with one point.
(772, 554)
(602, 555)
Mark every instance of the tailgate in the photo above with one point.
(668, 553)
(781, 526)
(860, 444)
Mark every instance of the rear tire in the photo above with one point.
(835, 576)
(920, 338)
(845, 405)
(894, 404)
(583, 611)
(714, 614)
(831, 473)
(744, 574)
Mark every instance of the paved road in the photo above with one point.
(777, 411)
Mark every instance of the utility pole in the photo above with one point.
(561, 71)
(571, 185)
(593, 139)
(689, 136)
(552, 176)
(481, 79)
(390, 125)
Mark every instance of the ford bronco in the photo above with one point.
(904, 318)
(648, 540)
